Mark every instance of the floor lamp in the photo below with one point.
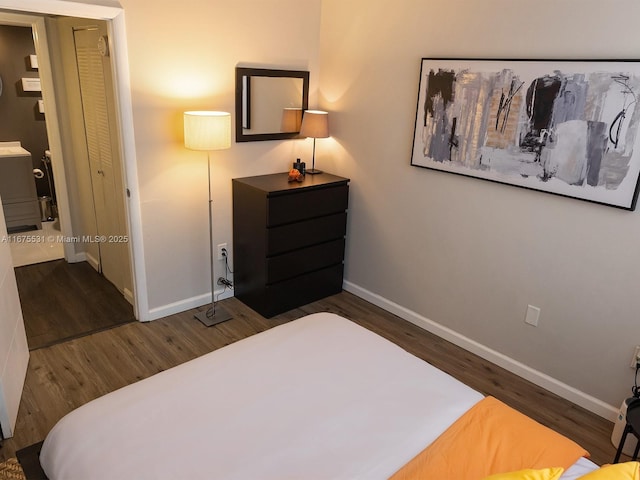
(209, 131)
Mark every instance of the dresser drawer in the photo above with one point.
(298, 262)
(306, 233)
(283, 296)
(304, 204)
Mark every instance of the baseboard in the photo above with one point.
(93, 261)
(182, 305)
(534, 376)
(128, 295)
(77, 257)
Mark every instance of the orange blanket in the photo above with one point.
(491, 438)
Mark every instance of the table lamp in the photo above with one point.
(315, 124)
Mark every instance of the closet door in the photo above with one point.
(102, 149)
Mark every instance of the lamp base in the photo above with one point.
(313, 171)
(208, 319)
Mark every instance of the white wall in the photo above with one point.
(183, 57)
(14, 352)
(464, 253)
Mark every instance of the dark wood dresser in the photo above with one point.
(288, 240)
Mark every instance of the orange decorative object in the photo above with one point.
(295, 176)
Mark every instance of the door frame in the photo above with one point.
(114, 15)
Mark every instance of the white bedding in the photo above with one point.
(579, 469)
(316, 398)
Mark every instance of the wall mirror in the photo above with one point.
(269, 103)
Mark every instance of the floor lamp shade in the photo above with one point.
(205, 130)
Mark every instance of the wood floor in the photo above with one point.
(65, 376)
(61, 301)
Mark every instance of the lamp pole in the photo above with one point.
(216, 313)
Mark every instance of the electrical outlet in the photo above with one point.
(221, 247)
(532, 316)
(636, 357)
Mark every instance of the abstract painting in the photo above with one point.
(569, 128)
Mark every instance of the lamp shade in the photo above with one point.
(291, 120)
(204, 130)
(315, 124)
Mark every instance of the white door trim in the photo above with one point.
(114, 14)
(107, 9)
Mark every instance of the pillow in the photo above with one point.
(491, 438)
(618, 471)
(529, 474)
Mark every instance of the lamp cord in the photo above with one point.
(227, 283)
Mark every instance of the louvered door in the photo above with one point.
(101, 149)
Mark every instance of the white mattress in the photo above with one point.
(316, 398)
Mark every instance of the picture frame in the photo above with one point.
(565, 127)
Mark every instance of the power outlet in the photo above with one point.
(220, 248)
(636, 357)
(533, 315)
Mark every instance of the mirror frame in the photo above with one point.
(241, 74)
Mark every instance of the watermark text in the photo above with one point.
(35, 238)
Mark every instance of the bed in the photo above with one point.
(316, 398)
